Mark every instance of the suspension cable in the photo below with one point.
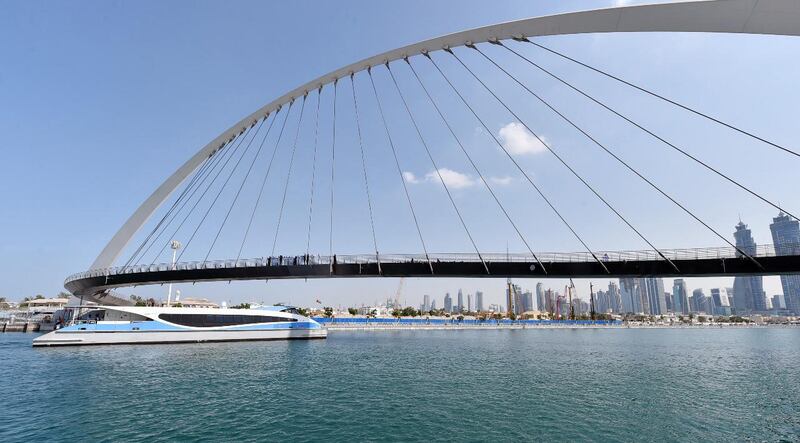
(364, 170)
(549, 148)
(244, 179)
(399, 169)
(651, 133)
(575, 173)
(219, 193)
(215, 161)
(472, 162)
(197, 173)
(595, 192)
(333, 171)
(230, 155)
(264, 181)
(661, 97)
(313, 175)
(616, 157)
(514, 161)
(435, 167)
(289, 174)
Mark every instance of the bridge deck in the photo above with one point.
(689, 263)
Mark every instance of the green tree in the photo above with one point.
(138, 301)
(352, 311)
(303, 311)
(241, 306)
(408, 311)
(328, 312)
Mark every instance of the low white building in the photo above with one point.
(44, 305)
(189, 302)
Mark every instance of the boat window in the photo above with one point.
(215, 320)
(291, 311)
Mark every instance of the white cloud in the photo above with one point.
(453, 179)
(502, 181)
(410, 177)
(518, 140)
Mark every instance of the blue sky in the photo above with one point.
(103, 100)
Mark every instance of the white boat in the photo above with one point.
(107, 325)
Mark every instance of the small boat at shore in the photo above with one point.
(112, 325)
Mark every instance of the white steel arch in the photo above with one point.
(776, 17)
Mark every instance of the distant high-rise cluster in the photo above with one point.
(786, 238)
(648, 296)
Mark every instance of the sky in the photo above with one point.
(102, 101)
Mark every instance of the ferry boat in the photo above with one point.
(113, 325)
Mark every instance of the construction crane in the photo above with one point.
(399, 292)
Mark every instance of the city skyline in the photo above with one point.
(99, 126)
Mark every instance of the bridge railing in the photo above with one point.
(367, 259)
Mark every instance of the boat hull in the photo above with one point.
(83, 338)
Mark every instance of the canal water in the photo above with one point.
(502, 385)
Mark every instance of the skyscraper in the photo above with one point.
(460, 305)
(426, 302)
(643, 295)
(786, 238)
(469, 302)
(514, 298)
(680, 296)
(527, 301)
(631, 297)
(699, 301)
(721, 304)
(540, 301)
(654, 293)
(479, 301)
(614, 298)
(448, 303)
(748, 292)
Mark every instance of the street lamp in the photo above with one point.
(175, 245)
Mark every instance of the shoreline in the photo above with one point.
(389, 327)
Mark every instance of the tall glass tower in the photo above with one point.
(680, 296)
(656, 301)
(786, 238)
(748, 292)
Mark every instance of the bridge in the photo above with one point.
(213, 185)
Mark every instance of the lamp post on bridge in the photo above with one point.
(175, 245)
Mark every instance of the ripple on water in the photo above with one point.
(564, 385)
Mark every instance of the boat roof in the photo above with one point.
(273, 307)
